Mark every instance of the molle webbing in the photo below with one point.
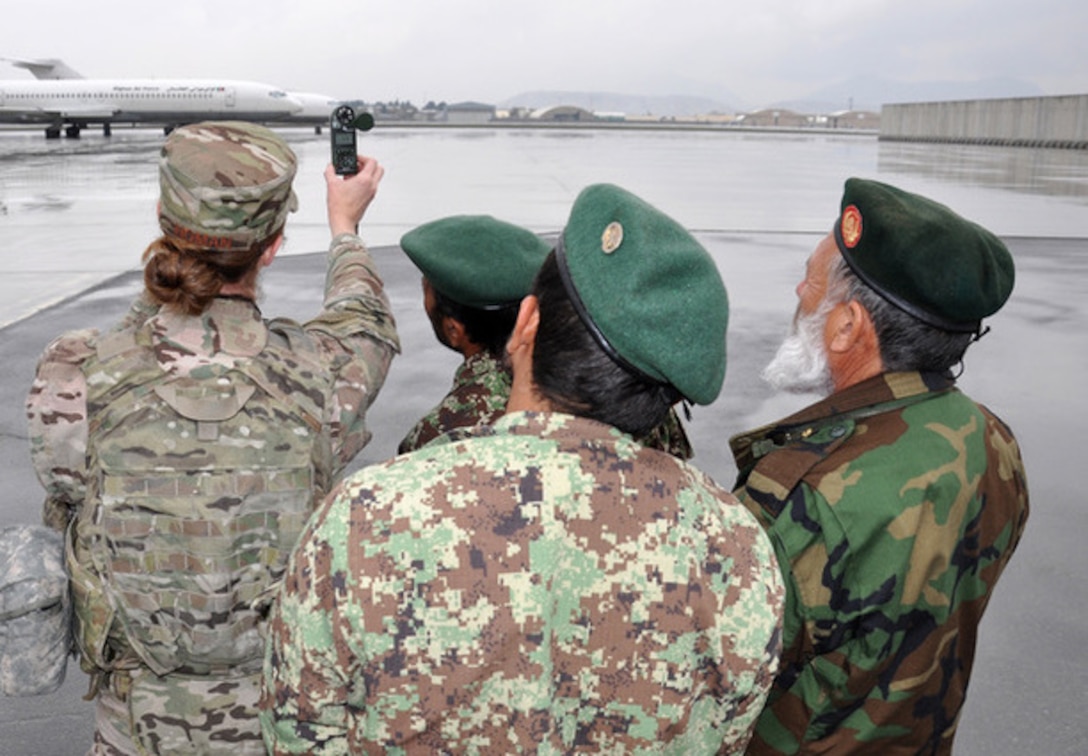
(202, 487)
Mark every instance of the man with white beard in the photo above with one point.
(895, 502)
(800, 364)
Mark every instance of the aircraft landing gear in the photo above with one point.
(72, 132)
(106, 130)
(52, 132)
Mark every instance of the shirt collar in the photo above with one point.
(229, 324)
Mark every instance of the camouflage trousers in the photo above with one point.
(141, 713)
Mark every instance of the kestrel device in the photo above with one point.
(344, 149)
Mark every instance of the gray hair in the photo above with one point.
(906, 343)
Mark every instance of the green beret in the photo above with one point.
(476, 260)
(225, 184)
(647, 290)
(922, 257)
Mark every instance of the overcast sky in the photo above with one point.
(760, 51)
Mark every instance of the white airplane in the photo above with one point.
(47, 68)
(72, 104)
(316, 110)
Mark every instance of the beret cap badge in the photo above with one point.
(851, 226)
(657, 306)
(612, 237)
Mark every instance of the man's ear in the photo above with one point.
(526, 325)
(523, 393)
(455, 333)
(848, 326)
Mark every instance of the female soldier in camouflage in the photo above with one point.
(184, 448)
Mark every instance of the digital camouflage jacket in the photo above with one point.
(481, 388)
(893, 506)
(542, 585)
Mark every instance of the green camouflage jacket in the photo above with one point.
(480, 391)
(893, 507)
(669, 436)
(481, 387)
(354, 336)
(541, 585)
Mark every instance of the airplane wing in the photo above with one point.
(89, 111)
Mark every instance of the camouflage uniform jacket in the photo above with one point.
(541, 585)
(893, 506)
(330, 369)
(354, 336)
(481, 388)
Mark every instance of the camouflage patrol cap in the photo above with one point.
(647, 290)
(225, 185)
(923, 257)
(476, 260)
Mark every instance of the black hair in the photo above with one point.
(906, 343)
(575, 375)
(489, 329)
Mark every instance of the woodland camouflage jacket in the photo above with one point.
(893, 506)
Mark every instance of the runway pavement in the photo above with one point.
(1029, 692)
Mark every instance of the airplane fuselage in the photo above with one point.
(171, 102)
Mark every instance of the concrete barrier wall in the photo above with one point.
(1021, 121)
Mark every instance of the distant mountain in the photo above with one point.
(611, 102)
(870, 92)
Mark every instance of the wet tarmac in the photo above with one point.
(1028, 693)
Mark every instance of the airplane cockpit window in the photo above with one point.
(277, 94)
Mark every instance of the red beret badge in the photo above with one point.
(851, 226)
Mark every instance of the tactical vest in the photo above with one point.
(199, 487)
